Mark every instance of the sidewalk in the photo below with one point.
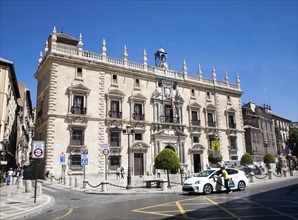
(16, 204)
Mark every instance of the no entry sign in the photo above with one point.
(38, 149)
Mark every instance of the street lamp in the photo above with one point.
(128, 131)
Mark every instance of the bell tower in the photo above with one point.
(161, 59)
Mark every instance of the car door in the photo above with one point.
(217, 182)
(234, 178)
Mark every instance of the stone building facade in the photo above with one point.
(86, 100)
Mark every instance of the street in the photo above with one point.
(276, 200)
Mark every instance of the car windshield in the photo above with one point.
(204, 173)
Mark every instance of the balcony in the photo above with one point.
(168, 119)
(75, 143)
(196, 122)
(232, 125)
(211, 124)
(115, 114)
(115, 143)
(78, 110)
(139, 117)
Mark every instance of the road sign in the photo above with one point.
(38, 149)
(62, 159)
(106, 149)
(84, 156)
(215, 145)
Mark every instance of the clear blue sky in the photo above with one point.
(256, 39)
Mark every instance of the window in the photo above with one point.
(115, 138)
(79, 72)
(115, 109)
(229, 99)
(192, 92)
(231, 119)
(78, 105)
(138, 136)
(114, 81)
(137, 83)
(210, 119)
(77, 137)
(233, 143)
(194, 118)
(114, 161)
(208, 95)
(75, 160)
(196, 139)
(138, 115)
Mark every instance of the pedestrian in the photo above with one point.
(122, 172)
(46, 174)
(10, 176)
(18, 175)
(118, 173)
(225, 175)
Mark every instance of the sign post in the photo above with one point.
(106, 152)
(84, 158)
(63, 164)
(37, 153)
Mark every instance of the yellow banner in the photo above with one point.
(215, 145)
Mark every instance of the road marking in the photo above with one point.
(182, 211)
(273, 210)
(223, 208)
(68, 213)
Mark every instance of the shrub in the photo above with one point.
(268, 158)
(215, 160)
(246, 159)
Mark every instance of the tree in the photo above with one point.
(167, 159)
(292, 142)
(246, 159)
(214, 160)
(268, 158)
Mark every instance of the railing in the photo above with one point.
(196, 122)
(115, 114)
(137, 116)
(168, 119)
(115, 143)
(78, 110)
(211, 124)
(232, 125)
(76, 142)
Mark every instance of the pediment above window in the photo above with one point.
(79, 88)
(116, 93)
(197, 148)
(230, 110)
(138, 97)
(194, 105)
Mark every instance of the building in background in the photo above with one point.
(25, 126)
(264, 131)
(9, 94)
(85, 100)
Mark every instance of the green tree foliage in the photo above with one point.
(246, 159)
(292, 142)
(269, 158)
(167, 159)
(215, 160)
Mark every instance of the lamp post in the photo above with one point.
(128, 131)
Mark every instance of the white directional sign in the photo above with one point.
(38, 149)
(105, 149)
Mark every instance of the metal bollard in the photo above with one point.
(76, 179)
(270, 174)
(164, 184)
(251, 177)
(85, 182)
(28, 186)
(104, 186)
(66, 180)
(20, 183)
(38, 189)
(291, 173)
(285, 173)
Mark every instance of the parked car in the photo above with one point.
(208, 181)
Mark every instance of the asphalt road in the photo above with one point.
(276, 200)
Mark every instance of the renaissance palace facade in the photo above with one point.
(86, 100)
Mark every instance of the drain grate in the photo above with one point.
(14, 202)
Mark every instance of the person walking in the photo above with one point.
(122, 172)
(10, 176)
(118, 173)
(225, 175)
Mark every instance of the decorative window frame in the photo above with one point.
(210, 109)
(114, 95)
(77, 90)
(137, 99)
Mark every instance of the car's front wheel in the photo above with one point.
(241, 185)
(207, 189)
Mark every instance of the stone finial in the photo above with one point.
(54, 30)
(125, 55)
(184, 67)
(46, 48)
(237, 80)
(145, 58)
(40, 58)
(54, 37)
(226, 77)
(213, 74)
(103, 48)
(80, 44)
(199, 72)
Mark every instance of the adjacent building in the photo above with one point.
(87, 100)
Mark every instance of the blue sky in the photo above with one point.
(256, 39)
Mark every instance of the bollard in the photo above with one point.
(270, 174)
(52, 177)
(20, 183)
(291, 173)
(76, 179)
(251, 177)
(164, 184)
(66, 180)
(285, 173)
(38, 189)
(104, 186)
(85, 182)
(28, 186)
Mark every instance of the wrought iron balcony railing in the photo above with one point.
(115, 114)
(78, 110)
(137, 116)
(168, 119)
